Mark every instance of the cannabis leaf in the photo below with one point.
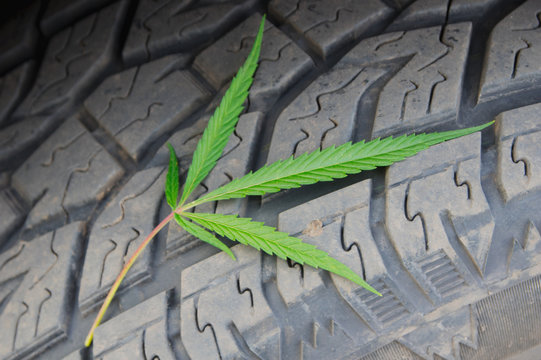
(223, 121)
(208, 151)
(329, 164)
(320, 165)
(273, 242)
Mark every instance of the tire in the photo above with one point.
(91, 92)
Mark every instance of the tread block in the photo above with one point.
(338, 223)
(73, 58)
(471, 332)
(422, 88)
(19, 37)
(323, 114)
(163, 27)
(235, 162)
(11, 213)
(393, 350)
(329, 25)
(67, 174)
(117, 233)
(512, 63)
(21, 137)
(13, 86)
(445, 337)
(223, 311)
(426, 87)
(422, 13)
(60, 13)
(502, 336)
(433, 200)
(519, 160)
(282, 63)
(143, 103)
(37, 279)
(138, 333)
(323, 342)
(76, 355)
(526, 252)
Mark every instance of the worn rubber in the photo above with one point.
(92, 91)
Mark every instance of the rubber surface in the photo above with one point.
(91, 92)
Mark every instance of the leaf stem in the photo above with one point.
(122, 274)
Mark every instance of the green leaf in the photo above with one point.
(172, 180)
(202, 234)
(266, 238)
(223, 121)
(329, 164)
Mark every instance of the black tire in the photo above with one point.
(91, 91)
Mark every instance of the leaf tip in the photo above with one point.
(371, 289)
(483, 126)
(230, 253)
